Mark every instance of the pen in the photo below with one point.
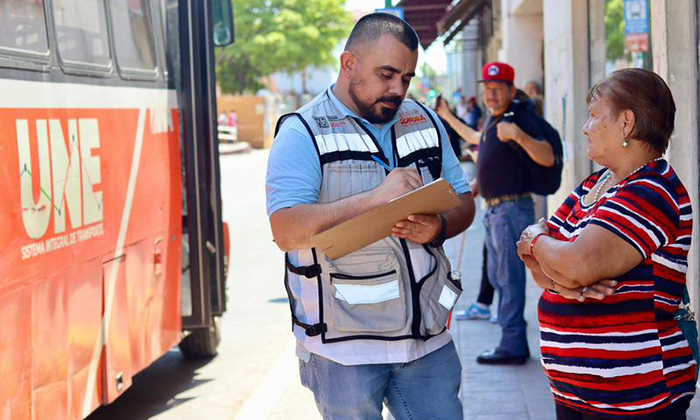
(379, 161)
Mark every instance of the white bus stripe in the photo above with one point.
(118, 252)
(21, 94)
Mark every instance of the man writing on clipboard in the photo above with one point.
(370, 326)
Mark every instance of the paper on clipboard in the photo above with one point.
(434, 198)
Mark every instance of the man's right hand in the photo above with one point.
(397, 183)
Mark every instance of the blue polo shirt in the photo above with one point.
(294, 172)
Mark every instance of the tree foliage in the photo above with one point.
(614, 30)
(280, 36)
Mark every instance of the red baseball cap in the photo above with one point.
(497, 72)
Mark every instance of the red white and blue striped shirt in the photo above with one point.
(625, 355)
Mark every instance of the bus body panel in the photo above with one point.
(91, 227)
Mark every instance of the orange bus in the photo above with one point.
(113, 247)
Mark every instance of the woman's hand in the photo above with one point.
(598, 291)
(530, 233)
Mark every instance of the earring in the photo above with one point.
(624, 142)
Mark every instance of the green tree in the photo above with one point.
(614, 30)
(280, 36)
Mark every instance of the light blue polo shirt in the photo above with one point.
(294, 172)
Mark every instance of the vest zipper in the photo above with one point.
(350, 277)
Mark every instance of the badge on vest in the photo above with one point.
(322, 122)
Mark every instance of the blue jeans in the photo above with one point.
(504, 223)
(426, 388)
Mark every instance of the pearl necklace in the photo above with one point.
(607, 177)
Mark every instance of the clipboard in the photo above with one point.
(436, 197)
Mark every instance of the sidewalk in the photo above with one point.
(500, 392)
(495, 392)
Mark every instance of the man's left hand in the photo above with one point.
(507, 131)
(419, 228)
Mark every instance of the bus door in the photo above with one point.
(204, 298)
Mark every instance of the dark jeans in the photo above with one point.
(675, 411)
(485, 289)
(504, 223)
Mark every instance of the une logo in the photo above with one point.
(67, 175)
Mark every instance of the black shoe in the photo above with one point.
(499, 357)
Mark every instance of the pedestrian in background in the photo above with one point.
(481, 309)
(454, 137)
(612, 348)
(462, 108)
(233, 119)
(534, 91)
(222, 119)
(473, 113)
(512, 152)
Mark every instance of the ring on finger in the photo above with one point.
(583, 291)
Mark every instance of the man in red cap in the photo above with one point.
(511, 147)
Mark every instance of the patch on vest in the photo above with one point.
(322, 122)
(411, 118)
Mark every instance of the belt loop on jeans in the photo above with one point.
(494, 201)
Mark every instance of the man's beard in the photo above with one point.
(369, 111)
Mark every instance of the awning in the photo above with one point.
(424, 17)
(457, 18)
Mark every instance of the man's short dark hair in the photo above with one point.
(374, 25)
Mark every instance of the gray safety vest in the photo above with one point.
(392, 289)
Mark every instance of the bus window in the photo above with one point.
(169, 20)
(81, 31)
(22, 26)
(133, 35)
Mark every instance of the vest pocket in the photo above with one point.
(438, 295)
(343, 179)
(367, 293)
(367, 289)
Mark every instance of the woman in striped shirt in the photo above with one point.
(613, 262)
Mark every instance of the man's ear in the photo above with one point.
(348, 63)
